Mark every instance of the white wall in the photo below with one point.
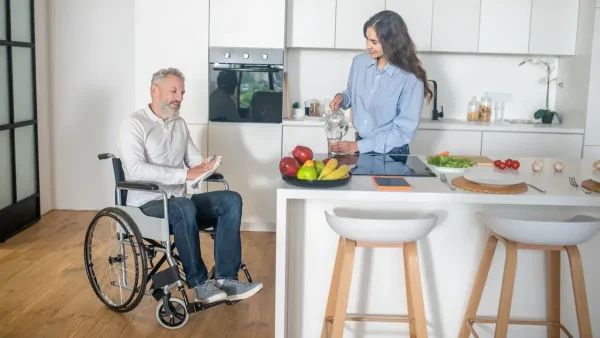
(92, 90)
(323, 73)
(43, 103)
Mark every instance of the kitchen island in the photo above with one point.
(449, 256)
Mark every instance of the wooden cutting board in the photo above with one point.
(480, 160)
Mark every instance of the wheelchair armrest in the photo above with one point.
(215, 177)
(138, 185)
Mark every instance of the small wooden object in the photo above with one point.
(339, 291)
(591, 185)
(553, 307)
(465, 184)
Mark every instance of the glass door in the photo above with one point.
(19, 183)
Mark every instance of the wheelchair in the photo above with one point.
(132, 242)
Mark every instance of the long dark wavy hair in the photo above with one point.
(398, 47)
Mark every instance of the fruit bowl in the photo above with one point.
(316, 183)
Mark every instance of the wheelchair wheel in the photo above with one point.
(176, 317)
(116, 260)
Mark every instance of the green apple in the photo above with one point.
(319, 165)
(307, 173)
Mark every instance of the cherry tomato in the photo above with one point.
(502, 165)
(497, 163)
(508, 162)
(515, 164)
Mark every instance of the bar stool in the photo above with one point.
(551, 236)
(376, 233)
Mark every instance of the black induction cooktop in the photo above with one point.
(388, 165)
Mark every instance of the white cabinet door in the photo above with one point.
(553, 27)
(504, 26)
(592, 136)
(418, 16)
(248, 24)
(251, 154)
(428, 142)
(505, 145)
(351, 15)
(455, 25)
(311, 23)
(591, 153)
(311, 137)
(190, 24)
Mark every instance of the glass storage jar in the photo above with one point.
(473, 109)
(485, 109)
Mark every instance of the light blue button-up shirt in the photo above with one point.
(386, 104)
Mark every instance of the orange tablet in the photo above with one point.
(391, 183)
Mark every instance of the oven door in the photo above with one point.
(245, 93)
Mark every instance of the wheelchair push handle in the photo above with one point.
(105, 156)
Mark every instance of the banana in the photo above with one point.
(337, 173)
(329, 167)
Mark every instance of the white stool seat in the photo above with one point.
(380, 227)
(571, 231)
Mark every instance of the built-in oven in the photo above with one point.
(246, 85)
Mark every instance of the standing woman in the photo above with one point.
(386, 89)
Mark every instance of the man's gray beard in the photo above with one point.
(167, 111)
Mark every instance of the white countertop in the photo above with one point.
(453, 124)
(431, 189)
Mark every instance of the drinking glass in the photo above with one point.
(332, 137)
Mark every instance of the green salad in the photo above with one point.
(449, 162)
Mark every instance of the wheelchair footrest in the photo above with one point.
(165, 277)
(197, 306)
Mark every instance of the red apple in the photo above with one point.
(326, 160)
(288, 166)
(302, 154)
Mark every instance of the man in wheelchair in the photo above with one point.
(156, 146)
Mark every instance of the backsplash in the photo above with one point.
(323, 73)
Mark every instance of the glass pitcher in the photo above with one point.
(336, 127)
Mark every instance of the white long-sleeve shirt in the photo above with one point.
(158, 151)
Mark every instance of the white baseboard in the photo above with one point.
(259, 227)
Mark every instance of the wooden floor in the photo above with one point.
(44, 290)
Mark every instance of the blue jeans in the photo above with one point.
(188, 216)
(403, 150)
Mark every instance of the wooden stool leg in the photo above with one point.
(553, 297)
(341, 304)
(508, 284)
(581, 305)
(409, 300)
(479, 284)
(333, 288)
(418, 305)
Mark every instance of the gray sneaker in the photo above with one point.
(207, 293)
(237, 290)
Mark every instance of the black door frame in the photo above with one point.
(26, 212)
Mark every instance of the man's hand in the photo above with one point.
(200, 169)
(344, 147)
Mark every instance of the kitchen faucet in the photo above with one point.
(434, 113)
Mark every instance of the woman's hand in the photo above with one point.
(344, 147)
(336, 102)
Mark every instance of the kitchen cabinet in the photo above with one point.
(506, 145)
(350, 17)
(251, 154)
(592, 136)
(312, 137)
(418, 16)
(427, 142)
(591, 153)
(504, 26)
(189, 25)
(455, 25)
(311, 23)
(199, 135)
(553, 27)
(249, 24)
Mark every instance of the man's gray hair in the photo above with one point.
(162, 73)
